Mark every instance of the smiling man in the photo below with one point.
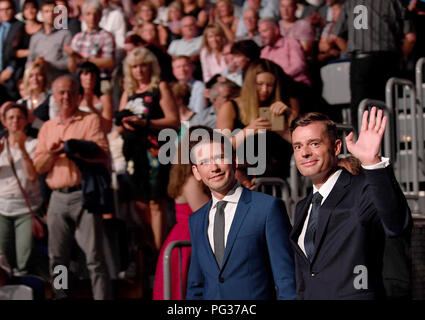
(340, 229)
(240, 245)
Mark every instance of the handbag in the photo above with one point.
(37, 225)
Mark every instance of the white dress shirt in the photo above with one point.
(326, 189)
(232, 199)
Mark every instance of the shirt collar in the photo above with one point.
(327, 187)
(232, 196)
(78, 115)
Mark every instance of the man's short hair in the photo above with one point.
(95, 4)
(183, 57)
(203, 134)
(248, 48)
(308, 118)
(273, 21)
(48, 3)
(66, 77)
(11, 2)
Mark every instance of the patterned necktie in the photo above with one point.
(219, 232)
(312, 225)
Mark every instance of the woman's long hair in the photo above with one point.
(248, 100)
(136, 56)
(89, 67)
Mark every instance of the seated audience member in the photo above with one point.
(243, 53)
(32, 26)
(149, 33)
(190, 43)
(92, 99)
(250, 20)
(231, 72)
(299, 29)
(286, 52)
(146, 13)
(221, 92)
(37, 84)
(328, 47)
(265, 85)
(49, 43)
(16, 238)
(94, 45)
(183, 70)
(189, 118)
(174, 24)
(191, 8)
(211, 56)
(223, 15)
(11, 68)
(265, 9)
(189, 195)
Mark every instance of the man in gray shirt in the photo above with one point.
(48, 43)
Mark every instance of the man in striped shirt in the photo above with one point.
(378, 35)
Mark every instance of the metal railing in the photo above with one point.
(408, 149)
(167, 267)
(386, 148)
(278, 188)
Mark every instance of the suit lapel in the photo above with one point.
(300, 216)
(336, 195)
(205, 240)
(240, 214)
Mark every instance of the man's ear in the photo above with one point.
(196, 173)
(337, 147)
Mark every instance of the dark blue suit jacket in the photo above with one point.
(354, 220)
(257, 259)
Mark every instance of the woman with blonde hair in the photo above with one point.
(211, 54)
(37, 85)
(265, 86)
(223, 15)
(146, 108)
(189, 195)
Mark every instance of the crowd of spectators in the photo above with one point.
(143, 66)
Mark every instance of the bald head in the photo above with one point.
(189, 28)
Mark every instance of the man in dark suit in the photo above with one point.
(240, 244)
(340, 229)
(11, 69)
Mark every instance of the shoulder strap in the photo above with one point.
(12, 165)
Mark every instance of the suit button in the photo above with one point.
(221, 279)
(313, 274)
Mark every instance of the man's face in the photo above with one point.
(65, 93)
(215, 169)
(269, 33)
(47, 13)
(223, 96)
(250, 19)
(92, 16)
(189, 28)
(287, 10)
(314, 153)
(182, 70)
(6, 11)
